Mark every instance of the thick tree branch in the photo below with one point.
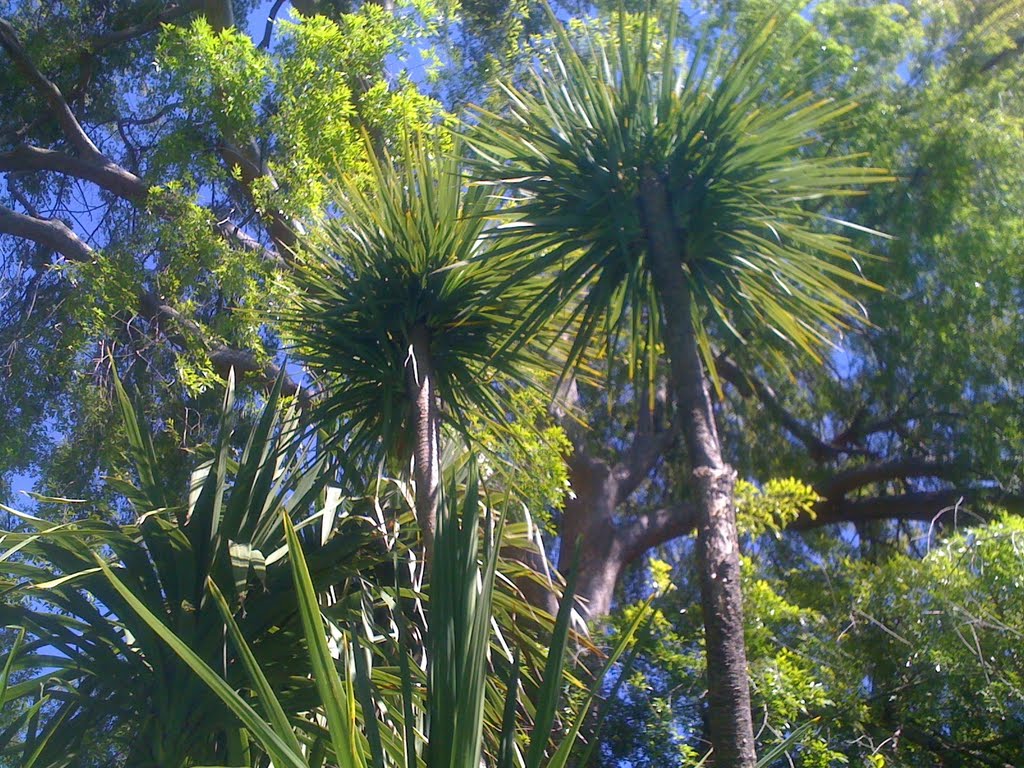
(221, 356)
(99, 170)
(563, 409)
(233, 233)
(151, 24)
(653, 529)
(119, 182)
(749, 386)
(57, 236)
(282, 231)
(245, 361)
(92, 165)
(268, 31)
(643, 454)
(844, 482)
(68, 122)
(51, 233)
(650, 441)
(943, 506)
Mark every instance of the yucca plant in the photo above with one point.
(88, 666)
(671, 198)
(395, 307)
(452, 711)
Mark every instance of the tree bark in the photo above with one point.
(588, 523)
(426, 427)
(731, 726)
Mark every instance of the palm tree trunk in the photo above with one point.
(426, 417)
(732, 734)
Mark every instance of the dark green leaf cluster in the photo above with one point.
(405, 253)
(742, 172)
(89, 663)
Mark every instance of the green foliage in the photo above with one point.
(582, 134)
(527, 456)
(405, 255)
(216, 67)
(773, 506)
(898, 661)
(938, 644)
(309, 100)
(91, 670)
(459, 628)
(940, 100)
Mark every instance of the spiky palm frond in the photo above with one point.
(458, 725)
(741, 168)
(405, 252)
(90, 669)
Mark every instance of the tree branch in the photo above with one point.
(92, 165)
(222, 357)
(68, 122)
(922, 506)
(99, 170)
(250, 170)
(644, 453)
(844, 482)
(232, 232)
(153, 23)
(269, 29)
(652, 529)
(1003, 55)
(119, 182)
(650, 441)
(57, 236)
(749, 386)
(51, 233)
(563, 407)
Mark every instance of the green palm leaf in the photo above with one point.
(403, 253)
(743, 175)
(90, 650)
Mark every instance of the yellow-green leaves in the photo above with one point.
(308, 100)
(771, 507)
(221, 71)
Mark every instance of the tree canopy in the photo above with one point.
(296, 191)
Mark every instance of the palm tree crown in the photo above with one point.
(405, 254)
(666, 201)
(738, 165)
(397, 308)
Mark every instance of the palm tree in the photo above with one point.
(397, 308)
(671, 196)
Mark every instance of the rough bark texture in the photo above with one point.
(732, 733)
(587, 523)
(426, 423)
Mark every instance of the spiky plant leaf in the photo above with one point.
(744, 169)
(404, 252)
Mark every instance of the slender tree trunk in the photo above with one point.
(426, 418)
(732, 734)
